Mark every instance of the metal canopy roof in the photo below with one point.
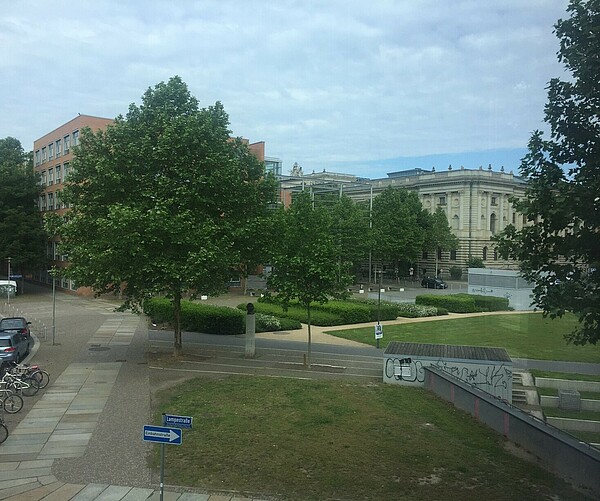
(447, 351)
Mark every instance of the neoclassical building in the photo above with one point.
(476, 202)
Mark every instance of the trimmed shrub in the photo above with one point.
(387, 310)
(490, 303)
(442, 311)
(464, 303)
(298, 313)
(270, 323)
(456, 303)
(349, 312)
(196, 317)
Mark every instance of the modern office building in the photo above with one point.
(52, 155)
(476, 203)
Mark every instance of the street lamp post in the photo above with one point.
(8, 286)
(379, 328)
(52, 273)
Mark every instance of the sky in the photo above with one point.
(354, 86)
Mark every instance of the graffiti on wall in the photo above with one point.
(493, 378)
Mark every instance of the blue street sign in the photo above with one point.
(177, 421)
(162, 435)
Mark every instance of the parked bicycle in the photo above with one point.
(33, 371)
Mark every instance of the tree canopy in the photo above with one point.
(439, 234)
(23, 237)
(162, 201)
(559, 250)
(400, 225)
(307, 259)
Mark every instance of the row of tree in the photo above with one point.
(165, 202)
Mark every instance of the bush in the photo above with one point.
(441, 311)
(455, 273)
(409, 310)
(475, 262)
(464, 303)
(490, 303)
(385, 310)
(197, 317)
(298, 313)
(456, 303)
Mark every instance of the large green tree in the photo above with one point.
(559, 251)
(161, 202)
(22, 236)
(400, 226)
(306, 257)
(439, 235)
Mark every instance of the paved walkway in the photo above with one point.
(68, 446)
(81, 440)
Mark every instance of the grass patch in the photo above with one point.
(316, 440)
(553, 392)
(587, 436)
(565, 375)
(564, 413)
(527, 335)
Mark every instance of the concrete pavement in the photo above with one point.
(81, 439)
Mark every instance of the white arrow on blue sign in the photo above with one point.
(162, 435)
(177, 421)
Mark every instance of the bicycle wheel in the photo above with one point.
(29, 386)
(42, 377)
(12, 403)
(3, 432)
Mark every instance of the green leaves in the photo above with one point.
(560, 250)
(160, 200)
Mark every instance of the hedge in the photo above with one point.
(464, 303)
(298, 313)
(197, 317)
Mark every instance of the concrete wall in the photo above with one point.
(560, 452)
(587, 404)
(567, 384)
(493, 377)
(501, 283)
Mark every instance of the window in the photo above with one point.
(58, 148)
(50, 176)
(67, 144)
(514, 218)
(453, 255)
(494, 200)
(44, 154)
(43, 202)
(442, 200)
(43, 178)
(57, 171)
(495, 254)
(50, 151)
(439, 253)
(484, 253)
(455, 222)
(38, 157)
(75, 137)
(50, 201)
(493, 224)
(65, 170)
(524, 219)
(424, 254)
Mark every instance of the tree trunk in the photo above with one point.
(177, 347)
(309, 334)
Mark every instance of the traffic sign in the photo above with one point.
(162, 435)
(177, 421)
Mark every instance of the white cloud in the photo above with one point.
(316, 81)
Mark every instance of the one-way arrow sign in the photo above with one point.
(162, 435)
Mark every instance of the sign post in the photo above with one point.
(162, 435)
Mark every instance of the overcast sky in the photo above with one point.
(337, 85)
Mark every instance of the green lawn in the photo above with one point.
(319, 440)
(523, 335)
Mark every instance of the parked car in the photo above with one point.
(15, 324)
(14, 346)
(433, 283)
